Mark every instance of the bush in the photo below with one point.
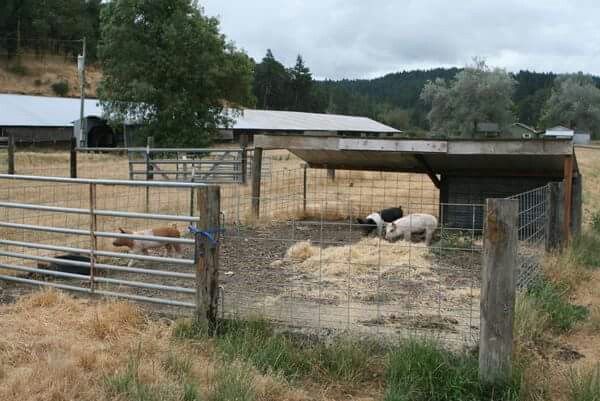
(423, 371)
(585, 248)
(562, 315)
(18, 69)
(60, 88)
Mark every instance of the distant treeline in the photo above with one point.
(394, 98)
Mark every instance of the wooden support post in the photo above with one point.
(149, 166)
(498, 290)
(577, 205)
(73, 157)
(553, 224)
(149, 169)
(256, 173)
(244, 156)
(207, 255)
(331, 174)
(568, 182)
(11, 153)
(304, 186)
(430, 173)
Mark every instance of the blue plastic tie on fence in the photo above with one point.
(207, 234)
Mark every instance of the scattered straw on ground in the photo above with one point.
(367, 255)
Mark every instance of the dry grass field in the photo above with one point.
(41, 73)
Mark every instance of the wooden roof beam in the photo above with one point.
(421, 160)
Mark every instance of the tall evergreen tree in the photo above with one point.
(301, 85)
(271, 84)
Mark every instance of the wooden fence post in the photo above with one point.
(256, 172)
(577, 205)
(149, 166)
(304, 186)
(207, 255)
(500, 238)
(73, 157)
(568, 188)
(553, 225)
(11, 153)
(244, 166)
(331, 174)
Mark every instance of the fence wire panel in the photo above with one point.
(533, 220)
(34, 232)
(312, 267)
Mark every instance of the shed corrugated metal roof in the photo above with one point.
(41, 111)
(270, 120)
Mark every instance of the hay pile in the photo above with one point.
(369, 255)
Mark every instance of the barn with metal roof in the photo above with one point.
(52, 119)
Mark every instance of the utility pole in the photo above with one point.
(81, 69)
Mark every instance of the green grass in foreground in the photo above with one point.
(412, 370)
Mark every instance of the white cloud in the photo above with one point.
(358, 38)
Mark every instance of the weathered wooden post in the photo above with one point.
(73, 157)
(331, 174)
(304, 186)
(498, 290)
(11, 153)
(244, 156)
(577, 205)
(568, 188)
(553, 225)
(207, 237)
(256, 173)
(149, 169)
(149, 166)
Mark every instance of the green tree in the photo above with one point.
(166, 63)
(477, 94)
(271, 84)
(301, 85)
(575, 103)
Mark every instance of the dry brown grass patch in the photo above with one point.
(114, 318)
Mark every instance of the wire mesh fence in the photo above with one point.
(533, 223)
(322, 275)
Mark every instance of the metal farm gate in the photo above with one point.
(57, 232)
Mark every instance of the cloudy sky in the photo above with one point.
(368, 38)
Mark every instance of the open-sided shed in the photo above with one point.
(464, 171)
